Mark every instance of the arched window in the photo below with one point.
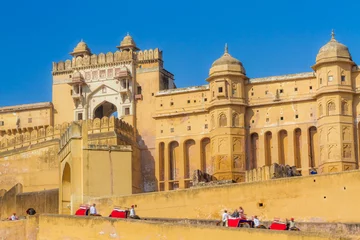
(235, 120)
(212, 122)
(222, 120)
(331, 108)
(344, 108)
(320, 109)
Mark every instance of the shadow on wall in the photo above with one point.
(149, 180)
(15, 200)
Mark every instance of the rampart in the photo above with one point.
(315, 198)
(73, 227)
(109, 58)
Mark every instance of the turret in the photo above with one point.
(335, 116)
(227, 110)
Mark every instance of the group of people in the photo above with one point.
(93, 212)
(255, 222)
(29, 211)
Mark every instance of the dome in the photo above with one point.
(333, 50)
(127, 43)
(81, 48)
(227, 59)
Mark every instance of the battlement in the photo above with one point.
(62, 132)
(12, 141)
(99, 127)
(107, 59)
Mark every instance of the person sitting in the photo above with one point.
(30, 211)
(132, 213)
(256, 222)
(292, 226)
(13, 217)
(224, 219)
(241, 212)
(235, 214)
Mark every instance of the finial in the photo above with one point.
(81, 40)
(128, 34)
(332, 34)
(226, 48)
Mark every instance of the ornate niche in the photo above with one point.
(331, 108)
(222, 145)
(238, 161)
(237, 144)
(235, 121)
(346, 150)
(222, 120)
(346, 134)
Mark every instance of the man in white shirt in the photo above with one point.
(225, 217)
(256, 222)
(132, 211)
(93, 211)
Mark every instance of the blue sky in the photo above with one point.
(268, 37)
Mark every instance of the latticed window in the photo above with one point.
(222, 120)
(331, 108)
(235, 120)
(344, 108)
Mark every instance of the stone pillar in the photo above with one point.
(291, 148)
(181, 168)
(166, 166)
(305, 148)
(261, 158)
(275, 147)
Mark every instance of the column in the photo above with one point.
(275, 147)
(181, 178)
(291, 148)
(261, 158)
(166, 166)
(305, 151)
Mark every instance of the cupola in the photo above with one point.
(81, 49)
(128, 43)
(227, 63)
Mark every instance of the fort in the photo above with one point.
(119, 132)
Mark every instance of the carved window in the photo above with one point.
(220, 89)
(222, 120)
(344, 108)
(330, 78)
(331, 108)
(212, 122)
(320, 110)
(127, 111)
(235, 120)
(343, 78)
(1, 123)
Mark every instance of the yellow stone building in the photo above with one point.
(128, 99)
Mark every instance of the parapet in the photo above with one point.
(13, 141)
(103, 59)
(98, 126)
(271, 172)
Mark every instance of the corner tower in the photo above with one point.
(227, 110)
(334, 103)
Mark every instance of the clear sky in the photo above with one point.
(268, 37)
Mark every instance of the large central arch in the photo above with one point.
(104, 109)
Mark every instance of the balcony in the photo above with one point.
(138, 97)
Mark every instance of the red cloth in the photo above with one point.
(233, 222)
(81, 212)
(278, 226)
(117, 213)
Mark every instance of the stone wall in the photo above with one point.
(16, 201)
(8, 201)
(43, 202)
(271, 172)
(72, 227)
(315, 198)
